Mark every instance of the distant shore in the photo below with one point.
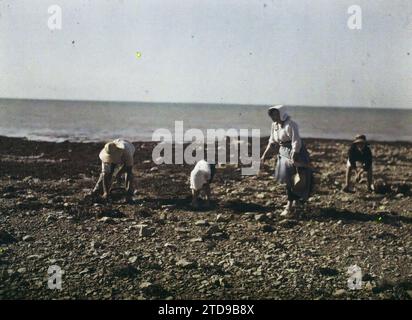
(263, 138)
(82, 155)
(18, 154)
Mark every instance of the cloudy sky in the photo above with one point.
(231, 51)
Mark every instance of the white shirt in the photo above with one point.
(200, 175)
(128, 153)
(289, 132)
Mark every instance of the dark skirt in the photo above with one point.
(285, 170)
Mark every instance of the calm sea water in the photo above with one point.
(101, 121)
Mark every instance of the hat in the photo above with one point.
(282, 111)
(120, 144)
(111, 152)
(360, 138)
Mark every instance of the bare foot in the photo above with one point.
(287, 213)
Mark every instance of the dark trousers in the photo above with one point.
(115, 175)
(291, 195)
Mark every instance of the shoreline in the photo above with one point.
(341, 140)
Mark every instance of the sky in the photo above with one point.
(295, 52)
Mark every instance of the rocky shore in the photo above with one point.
(159, 248)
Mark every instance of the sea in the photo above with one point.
(86, 121)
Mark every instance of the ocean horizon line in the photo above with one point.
(201, 103)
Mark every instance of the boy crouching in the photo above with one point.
(118, 153)
(200, 179)
(359, 152)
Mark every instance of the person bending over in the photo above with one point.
(117, 154)
(200, 179)
(359, 152)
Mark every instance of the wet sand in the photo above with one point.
(239, 248)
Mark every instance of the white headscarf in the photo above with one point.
(282, 111)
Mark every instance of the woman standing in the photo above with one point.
(292, 159)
